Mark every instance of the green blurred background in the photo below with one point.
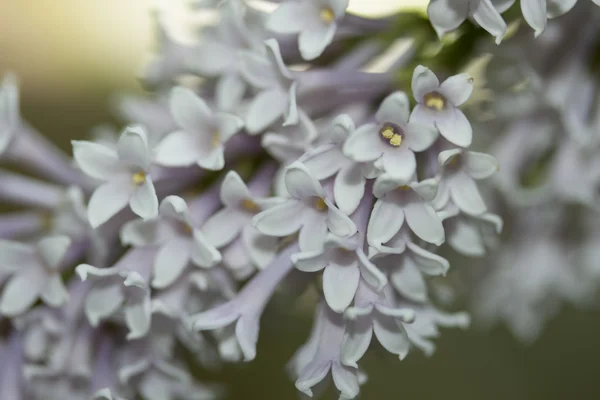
(71, 55)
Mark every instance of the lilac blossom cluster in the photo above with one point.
(176, 232)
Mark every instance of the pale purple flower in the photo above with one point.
(392, 140)
(472, 235)
(397, 203)
(460, 169)
(126, 172)
(308, 211)
(321, 355)
(374, 312)
(179, 242)
(276, 85)
(438, 104)
(343, 263)
(314, 20)
(33, 272)
(202, 136)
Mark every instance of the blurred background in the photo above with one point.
(71, 56)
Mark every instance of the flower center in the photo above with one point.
(390, 135)
(320, 205)
(216, 138)
(404, 188)
(327, 15)
(435, 101)
(250, 206)
(139, 178)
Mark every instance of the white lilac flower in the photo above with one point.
(427, 320)
(408, 265)
(39, 328)
(438, 104)
(460, 170)
(471, 235)
(126, 172)
(392, 140)
(276, 85)
(178, 241)
(121, 288)
(398, 203)
(9, 111)
(235, 221)
(202, 136)
(314, 20)
(34, 272)
(375, 313)
(329, 159)
(321, 355)
(447, 15)
(343, 263)
(308, 211)
(244, 311)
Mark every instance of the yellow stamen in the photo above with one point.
(396, 140)
(404, 187)
(216, 138)
(435, 101)
(250, 205)
(327, 15)
(320, 205)
(387, 132)
(139, 178)
(187, 228)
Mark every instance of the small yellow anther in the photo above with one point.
(404, 187)
(396, 140)
(320, 205)
(387, 132)
(327, 15)
(435, 101)
(139, 178)
(216, 139)
(250, 206)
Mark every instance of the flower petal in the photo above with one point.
(370, 273)
(392, 335)
(96, 160)
(260, 248)
(203, 253)
(420, 137)
(455, 127)
(313, 232)
(179, 149)
(394, 108)
(315, 38)
(408, 281)
(266, 107)
(291, 17)
(480, 165)
(214, 160)
(229, 92)
(345, 380)
(223, 226)
(189, 110)
(102, 301)
(281, 220)
(246, 332)
(349, 188)
(21, 291)
(534, 12)
(339, 285)
(364, 144)
(141, 232)
(324, 161)
(356, 341)
(143, 201)
(54, 292)
(465, 238)
(310, 261)
(423, 82)
(132, 147)
(301, 184)
(429, 263)
(457, 89)
(466, 196)
(424, 222)
(138, 315)
(486, 15)
(385, 221)
(52, 249)
(339, 223)
(171, 260)
(14, 256)
(229, 125)
(107, 200)
(233, 190)
(447, 15)
(400, 164)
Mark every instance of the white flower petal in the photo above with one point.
(14, 256)
(339, 285)
(143, 201)
(408, 281)
(229, 92)
(203, 253)
(214, 160)
(345, 380)
(423, 82)
(447, 15)
(96, 160)
(52, 249)
(465, 238)
(132, 147)
(313, 232)
(324, 161)
(229, 125)
(281, 220)
(400, 164)
(466, 196)
(102, 301)
(394, 108)
(315, 38)
(107, 200)
(424, 222)
(457, 89)
(455, 127)
(179, 149)
(261, 249)
(364, 144)
(138, 315)
(21, 291)
(534, 12)
(385, 221)
(54, 292)
(291, 17)
(370, 273)
(349, 188)
(392, 335)
(310, 261)
(233, 190)
(188, 110)
(246, 332)
(480, 165)
(171, 260)
(420, 137)
(223, 226)
(266, 107)
(357, 341)
(141, 232)
(486, 15)
(301, 184)
(339, 223)
(428, 262)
